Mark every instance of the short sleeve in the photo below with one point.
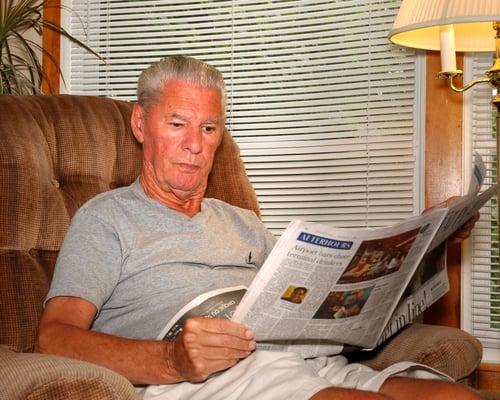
(90, 260)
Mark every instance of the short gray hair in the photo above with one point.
(153, 79)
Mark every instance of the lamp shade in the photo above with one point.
(419, 23)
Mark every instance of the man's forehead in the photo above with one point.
(216, 120)
(183, 94)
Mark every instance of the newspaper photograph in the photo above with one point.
(428, 284)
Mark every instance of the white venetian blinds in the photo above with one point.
(481, 308)
(323, 107)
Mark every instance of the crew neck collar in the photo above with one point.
(139, 190)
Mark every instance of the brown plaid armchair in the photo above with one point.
(56, 152)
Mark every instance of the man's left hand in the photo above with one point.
(465, 230)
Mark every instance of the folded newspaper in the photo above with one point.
(324, 289)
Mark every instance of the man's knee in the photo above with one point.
(448, 390)
(407, 388)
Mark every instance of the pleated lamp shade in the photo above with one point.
(420, 24)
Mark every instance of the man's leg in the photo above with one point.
(400, 388)
(333, 393)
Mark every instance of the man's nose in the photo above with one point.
(193, 141)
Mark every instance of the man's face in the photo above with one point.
(180, 135)
(298, 295)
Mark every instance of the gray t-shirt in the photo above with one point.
(140, 262)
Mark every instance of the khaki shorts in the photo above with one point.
(267, 375)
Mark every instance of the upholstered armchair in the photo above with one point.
(56, 152)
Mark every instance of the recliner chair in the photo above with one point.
(56, 152)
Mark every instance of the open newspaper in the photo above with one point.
(428, 284)
(323, 288)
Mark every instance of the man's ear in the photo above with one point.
(137, 122)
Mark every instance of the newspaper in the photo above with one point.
(430, 281)
(428, 284)
(218, 303)
(323, 288)
(462, 208)
(353, 280)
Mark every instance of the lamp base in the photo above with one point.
(494, 73)
(449, 74)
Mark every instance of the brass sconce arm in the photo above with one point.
(492, 75)
(450, 75)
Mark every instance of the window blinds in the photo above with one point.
(322, 106)
(481, 308)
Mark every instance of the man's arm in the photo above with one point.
(204, 347)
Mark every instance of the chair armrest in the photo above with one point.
(450, 350)
(33, 376)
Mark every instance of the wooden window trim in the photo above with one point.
(51, 42)
(443, 173)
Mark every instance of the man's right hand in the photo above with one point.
(206, 346)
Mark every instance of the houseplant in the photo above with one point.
(21, 70)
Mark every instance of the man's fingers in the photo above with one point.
(213, 348)
(209, 333)
(223, 326)
(469, 224)
(450, 200)
(225, 343)
(465, 230)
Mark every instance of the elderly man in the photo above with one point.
(134, 256)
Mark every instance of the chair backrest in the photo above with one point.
(56, 152)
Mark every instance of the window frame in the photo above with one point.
(490, 354)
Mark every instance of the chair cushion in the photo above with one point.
(449, 350)
(44, 377)
(25, 279)
(228, 180)
(56, 153)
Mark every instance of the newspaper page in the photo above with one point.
(323, 286)
(461, 209)
(428, 284)
(477, 176)
(219, 303)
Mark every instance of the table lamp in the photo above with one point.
(449, 26)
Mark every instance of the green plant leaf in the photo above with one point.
(21, 71)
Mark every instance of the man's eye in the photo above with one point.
(209, 129)
(176, 124)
